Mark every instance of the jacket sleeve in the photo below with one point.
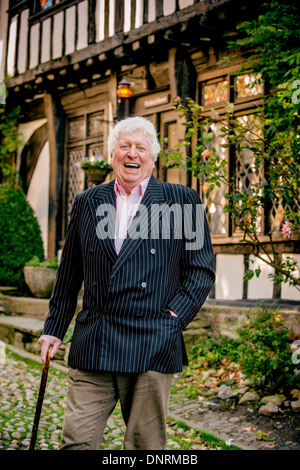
(63, 301)
(197, 263)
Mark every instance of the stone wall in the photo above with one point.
(22, 319)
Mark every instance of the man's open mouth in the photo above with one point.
(131, 165)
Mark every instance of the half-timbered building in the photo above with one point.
(62, 61)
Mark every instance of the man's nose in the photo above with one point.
(132, 151)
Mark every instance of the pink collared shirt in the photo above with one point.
(126, 209)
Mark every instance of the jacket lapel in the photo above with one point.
(104, 198)
(154, 194)
(145, 217)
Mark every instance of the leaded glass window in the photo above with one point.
(248, 171)
(84, 139)
(216, 93)
(214, 205)
(248, 85)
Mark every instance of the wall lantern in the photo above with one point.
(124, 90)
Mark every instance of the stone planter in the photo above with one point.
(97, 175)
(39, 280)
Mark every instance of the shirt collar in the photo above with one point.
(141, 188)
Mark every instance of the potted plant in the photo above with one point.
(40, 276)
(96, 167)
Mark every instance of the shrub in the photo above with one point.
(211, 351)
(20, 235)
(35, 262)
(264, 350)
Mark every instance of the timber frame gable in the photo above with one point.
(87, 38)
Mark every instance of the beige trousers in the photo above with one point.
(92, 397)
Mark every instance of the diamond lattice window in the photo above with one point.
(84, 139)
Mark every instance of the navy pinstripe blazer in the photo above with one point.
(125, 324)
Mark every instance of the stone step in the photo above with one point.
(28, 325)
(24, 332)
(30, 307)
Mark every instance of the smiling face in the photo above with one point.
(132, 160)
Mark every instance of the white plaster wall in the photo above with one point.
(100, 17)
(23, 40)
(46, 40)
(34, 45)
(82, 32)
(290, 292)
(260, 287)
(3, 36)
(70, 29)
(229, 277)
(151, 10)
(139, 13)
(38, 192)
(169, 7)
(185, 3)
(111, 19)
(12, 42)
(57, 37)
(127, 14)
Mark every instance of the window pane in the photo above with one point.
(76, 128)
(214, 204)
(249, 172)
(76, 175)
(213, 93)
(248, 85)
(49, 3)
(95, 150)
(277, 212)
(95, 124)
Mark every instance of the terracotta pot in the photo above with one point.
(40, 281)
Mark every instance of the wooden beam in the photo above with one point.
(55, 126)
(119, 39)
(119, 15)
(92, 22)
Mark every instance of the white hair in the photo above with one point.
(130, 125)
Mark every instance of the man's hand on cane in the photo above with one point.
(45, 342)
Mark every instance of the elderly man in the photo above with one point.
(144, 282)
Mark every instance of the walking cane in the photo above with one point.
(40, 400)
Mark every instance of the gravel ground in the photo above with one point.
(19, 386)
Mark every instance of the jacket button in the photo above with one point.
(152, 251)
(143, 285)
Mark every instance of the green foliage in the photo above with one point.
(10, 138)
(212, 351)
(270, 138)
(261, 350)
(273, 39)
(20, 235)
(48, 263)
(264, 351)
